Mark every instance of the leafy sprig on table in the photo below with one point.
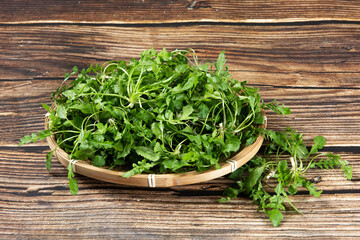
(289, 173)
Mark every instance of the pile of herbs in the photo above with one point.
(162, 113)
(168, 113)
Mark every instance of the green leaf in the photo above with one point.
(61, 111)
(282, 168)
(42, 135)
(277, 108)
(191, 82)
(259, 118)
(275, 217)
(348, 171)
(237, 174)
(147, 153)
(99, 161)
(231, 192)
(219, 64)
(278, 188)
(187, 110)
(125, 152)
(288, 200)
(46, 107)
(127, 174)
(70, 94)
(319, 143)
(312, 189)
(232, 143)
(25, 140)
(253, 178)
(73, 185)
(292, 189)
(48, 160)
(34, 137)
(75, 69)
(155, 128)
(181, 68)
(172, 164)
(70, 171)
(301, 151)
(204, 111)
(85, 108)
(224, 199)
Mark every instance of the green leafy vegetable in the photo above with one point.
(285, 159)
(162, 113)
(167, 113)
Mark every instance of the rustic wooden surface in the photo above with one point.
(304, 53)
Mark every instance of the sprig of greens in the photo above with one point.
(162, 113)
(289, 173)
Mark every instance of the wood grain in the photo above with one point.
(150, 11)
(41, 204)
(304, 53)
(326, 55)
(333, 113)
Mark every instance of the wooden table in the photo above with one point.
(304, 53)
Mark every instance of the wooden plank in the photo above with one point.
(27, 164)
(311, 55)
(333, 113)
(35, 203)
(248, 11)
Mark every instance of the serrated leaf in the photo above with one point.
(147, 153)
(34, 137)
(25, 140)
(312, 189)
(319, 143)
(48, 160)
(42, 135)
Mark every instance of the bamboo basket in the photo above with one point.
(157, 180)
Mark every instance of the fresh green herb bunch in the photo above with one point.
(282, 169)
(162, 113)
